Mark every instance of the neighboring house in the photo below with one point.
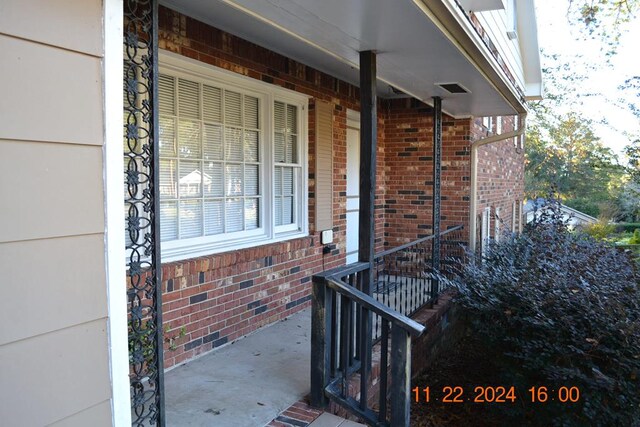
(572, 217)
(275, 158)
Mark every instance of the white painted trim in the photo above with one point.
(180, 66)
(353, 119)
(113, 170)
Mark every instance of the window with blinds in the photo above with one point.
(209, 159)
(232, 171)
(286, 163)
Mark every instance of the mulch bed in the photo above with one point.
(461, 365)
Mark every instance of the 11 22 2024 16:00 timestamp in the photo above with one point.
(495, 394)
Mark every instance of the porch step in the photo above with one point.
(330, 420)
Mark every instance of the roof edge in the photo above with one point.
(455, 26)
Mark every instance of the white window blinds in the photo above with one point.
(233, 161)
(286, 163)
(209, 159)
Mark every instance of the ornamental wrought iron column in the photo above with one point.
(142, 209)
(368, 152)
(437, 173)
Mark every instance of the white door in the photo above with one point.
(353, 190)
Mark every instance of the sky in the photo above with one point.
(557, 36)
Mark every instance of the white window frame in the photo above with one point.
(497, 229)
(176, 65)
(484, 230)
(487, 122)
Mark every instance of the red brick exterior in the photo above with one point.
(218, 298)
(500, 175)
(408, 171)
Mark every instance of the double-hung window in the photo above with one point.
(232, 161)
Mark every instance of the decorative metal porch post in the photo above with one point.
(142, 209)
(437, 172)
(368, 153)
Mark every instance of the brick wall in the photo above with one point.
(500, 174)
(408, 170)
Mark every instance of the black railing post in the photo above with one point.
(400, 376)
(321, 336)
(368, 148)
(368, 152)
(437, 172)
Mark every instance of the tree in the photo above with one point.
(628, 195)
(566, 156)
(603, 19)
(632, 152)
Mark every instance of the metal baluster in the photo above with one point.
(336, 332)
(358, 320)
(364, 375)
(345, 327)
(384, 361)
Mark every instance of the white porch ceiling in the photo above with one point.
(413, 53)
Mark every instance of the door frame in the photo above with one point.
(353, 122)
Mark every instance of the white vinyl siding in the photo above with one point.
(497, 23)
(232, 162)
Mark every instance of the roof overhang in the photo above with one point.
(528, 31)
(419, 43)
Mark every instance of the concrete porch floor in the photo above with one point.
(244, 384)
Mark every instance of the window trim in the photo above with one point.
(175, 250)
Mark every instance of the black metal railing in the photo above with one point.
(351, 327)
(342, 346)
(405, 278)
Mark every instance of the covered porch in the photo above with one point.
(264, 378)
(409, 96)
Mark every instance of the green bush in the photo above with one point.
(627, 227)
(555, 308)
(635, 239)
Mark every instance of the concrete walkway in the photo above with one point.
(244, 384)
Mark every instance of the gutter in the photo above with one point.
(474, 172)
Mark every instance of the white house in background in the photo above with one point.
(575, 218)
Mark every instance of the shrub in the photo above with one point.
(635, 239)
(559, 309)
(626, 227)
(600, 229)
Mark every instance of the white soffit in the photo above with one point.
(413, 54)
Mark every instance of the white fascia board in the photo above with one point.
(534, 92)
(530, 49)
(482, 5)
